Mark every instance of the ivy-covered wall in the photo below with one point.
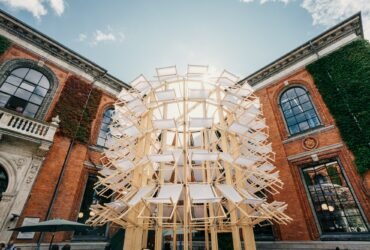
(343, 80)
(70, 107)
(4, 44)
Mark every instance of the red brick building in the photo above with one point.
(48, 166)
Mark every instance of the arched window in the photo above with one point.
(24, 91)
(3, 181)
(299, 112)
(104, 127)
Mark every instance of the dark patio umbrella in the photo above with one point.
(56, 225)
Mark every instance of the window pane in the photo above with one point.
(3, 181)
(31, 109)
(3, 99)
(21, 72)
(21, 86)
(90, 198)
(303, 126)
(333, 201)
(44, 82)
(14, 80)
(8, 88)
(288, 113)
(300, 91)
(27, 86)
(33, 76)
(291, 93)
(294, 129)
(24, 94)
(36, 99)
(40, 91)
(291, 121)
(104, 127)
(297, 108)
(16, 104)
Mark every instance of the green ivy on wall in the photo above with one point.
(4, 44)
(343, 80)
(70, 108)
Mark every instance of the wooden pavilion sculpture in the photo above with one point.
(188, 153)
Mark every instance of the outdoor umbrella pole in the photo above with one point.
(51, 242)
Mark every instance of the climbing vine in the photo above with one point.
(343, 79)
(70, 108)
(4, 44)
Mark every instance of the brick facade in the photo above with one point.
(326, 135)
(291, 155)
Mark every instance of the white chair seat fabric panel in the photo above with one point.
(166, 95)
(198, 94)
(168, 193)
(123, 165)
(250, 199)
(166, 72)
(238, 128)
(130, 131)
(246, 160)
(226, 157)
(118, 206)
(203, 155)
(164, 124)
(166, 157)
(200, 122)
(141, 193)
(202, 193)
(267, 167)
(230, 193)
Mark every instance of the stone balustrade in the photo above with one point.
(17, 123)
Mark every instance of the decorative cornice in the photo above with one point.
(351, 25)
(49, 45)
(312, 132)
(315, 151)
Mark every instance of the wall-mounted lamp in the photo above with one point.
(14, 217)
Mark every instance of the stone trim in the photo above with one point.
(10, 65)
(311, 48)
(315, 151)
(311, 132)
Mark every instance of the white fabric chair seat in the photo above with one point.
(168, 194)
(202, 193)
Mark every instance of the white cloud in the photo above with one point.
(57, 6)
(82, 37)
(331, 12)
(36, 7)
(265, 1)
(100, 36)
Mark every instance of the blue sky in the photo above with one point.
(136, 36)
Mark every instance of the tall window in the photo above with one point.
(299, 112)
(332, 199)
(3, 181)
(23, 91)
(90, 198)
(104, 127)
